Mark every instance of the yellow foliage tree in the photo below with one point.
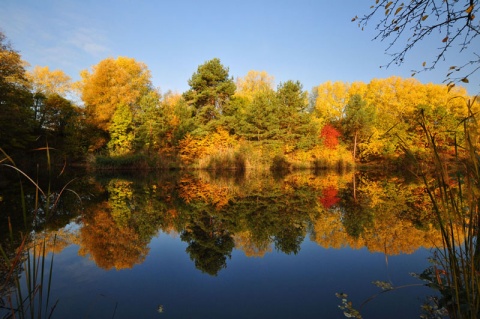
(253, 83)
(245, 241)
(47, 82)
(191, 189)
(397, 102)
(194, 149)
(331, 99)
(388, 234)
(111, 83)
(109, 244)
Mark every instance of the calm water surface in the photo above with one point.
(260, 246)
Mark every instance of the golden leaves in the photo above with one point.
(253, 83)
(113, 82)
(49, 82)
(101, 233)
(192, 189)
(331, 98)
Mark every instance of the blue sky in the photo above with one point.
(311, 41)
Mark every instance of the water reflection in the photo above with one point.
(256, 214)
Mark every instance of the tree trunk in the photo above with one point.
(355, 147)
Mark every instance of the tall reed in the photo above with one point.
(454, 190)
(452, 181)
(27, 285)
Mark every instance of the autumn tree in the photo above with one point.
(211, 88)
(396, 101)
(330, 100)
(43, 84)
(330, 135)
(46, 82)
(111, 93)
(121, 131)
(413, 22)
(110, 84)
(254, 82)
(15, 99)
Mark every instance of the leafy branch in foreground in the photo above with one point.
(347, 307)
(418, 20)
(350, 312)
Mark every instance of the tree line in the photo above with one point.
(219, 122)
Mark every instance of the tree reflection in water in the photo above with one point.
(255, 213)
(209, 243)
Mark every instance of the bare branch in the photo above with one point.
(455, 22)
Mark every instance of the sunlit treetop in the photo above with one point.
(113, 82)
(253, 83)
(12, 68)
(49, 82)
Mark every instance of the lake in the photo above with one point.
(255, 245)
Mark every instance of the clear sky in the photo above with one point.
(311, 41)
